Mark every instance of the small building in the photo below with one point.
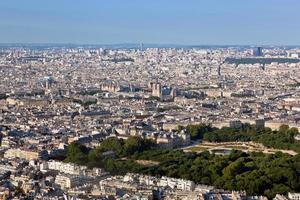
(68, 181)
(260, 123)
(235, 124)
(294, 196)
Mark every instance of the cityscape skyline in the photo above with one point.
(168, 22)
(149, 100)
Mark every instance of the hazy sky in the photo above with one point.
(257, 22)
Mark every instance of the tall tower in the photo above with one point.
(156, 90)
(141, 46)
(47, 84)
(219, 71)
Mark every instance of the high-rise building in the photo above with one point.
(258, 52)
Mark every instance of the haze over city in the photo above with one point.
(196, 22)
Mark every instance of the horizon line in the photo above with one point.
(144, 44)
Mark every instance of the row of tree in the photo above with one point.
(115, 147)
(284, 138)
(256, 173)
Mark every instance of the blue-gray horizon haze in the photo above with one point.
(193, 22)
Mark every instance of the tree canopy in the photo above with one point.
(256, 173)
